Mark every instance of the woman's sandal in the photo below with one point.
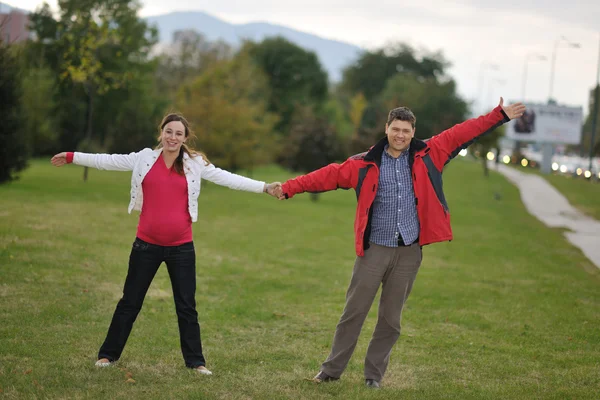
(103, 362)
(203, 370)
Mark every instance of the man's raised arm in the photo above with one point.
(462, 135)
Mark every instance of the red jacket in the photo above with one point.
(426, 160)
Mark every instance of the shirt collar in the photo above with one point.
(388, 155)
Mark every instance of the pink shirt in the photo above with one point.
(165, 219)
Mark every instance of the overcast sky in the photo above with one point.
(470, 33)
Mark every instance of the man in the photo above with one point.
(401, 207)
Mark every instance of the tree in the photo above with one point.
(370, 73)
(295, 77)
(134, 113)
(188, 56)
(370, 76)
(227, 109)
(360, 139)
(335, 114)
(313, 143)
(485, 144)
(95, 47)
(436, 104)
(358, 104)
(69, 105)
(13, 152)
(587, 127)
(39, 122)
(38, 100)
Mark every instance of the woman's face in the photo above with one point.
(173, 136)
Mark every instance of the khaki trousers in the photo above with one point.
(395, 268)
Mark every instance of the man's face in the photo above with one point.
(399, 134)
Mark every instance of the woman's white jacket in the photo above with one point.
(195, 169)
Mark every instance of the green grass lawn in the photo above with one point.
(508, 310)
(581, 193)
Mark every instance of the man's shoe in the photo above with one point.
(323, 377)
(372, 383)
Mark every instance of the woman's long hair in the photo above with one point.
(185, 148)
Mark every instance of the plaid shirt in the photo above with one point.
(394, 209)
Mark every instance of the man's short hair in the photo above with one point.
(402, 114)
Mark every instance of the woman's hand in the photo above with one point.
(59, 159)
(273, 189)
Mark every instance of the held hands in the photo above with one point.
(274, 189)
(514, 110)
(59, 159)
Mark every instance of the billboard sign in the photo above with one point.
(543, 123)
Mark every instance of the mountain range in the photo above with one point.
(5, 9)
(333, 55)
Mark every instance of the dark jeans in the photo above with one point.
(144, 261)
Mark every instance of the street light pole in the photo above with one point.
(558, 41)
(552, 68)
(490, 93)
(529, 57)
(595, 115)
(548, 148)
(484, 65)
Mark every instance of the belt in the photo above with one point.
(401, 242)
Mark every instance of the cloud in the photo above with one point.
(584, 13)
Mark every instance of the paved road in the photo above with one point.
(546, 203)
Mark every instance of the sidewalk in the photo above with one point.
(546, 203)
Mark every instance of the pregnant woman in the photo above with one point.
(164, 186)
